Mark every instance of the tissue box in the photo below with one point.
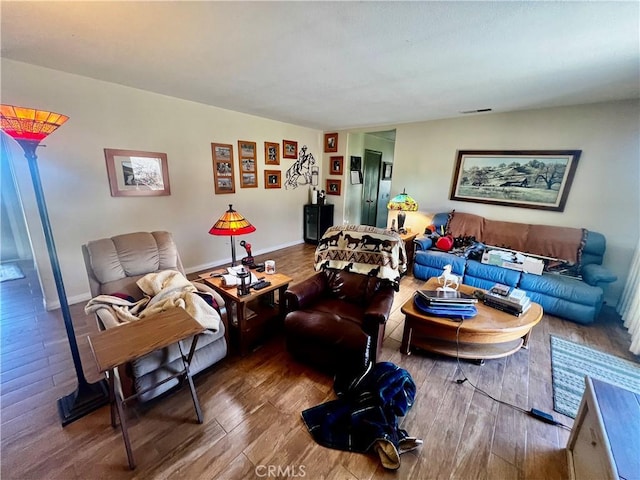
(513, 260)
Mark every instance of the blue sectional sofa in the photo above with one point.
(578, 298)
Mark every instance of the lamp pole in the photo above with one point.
(88, 396)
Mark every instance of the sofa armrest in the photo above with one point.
(597, 275)
(423, 242)
(378, 310)
(222, 309)
(305, 293)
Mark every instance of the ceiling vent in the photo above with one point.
(480, 110)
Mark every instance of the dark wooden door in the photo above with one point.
(370, 185)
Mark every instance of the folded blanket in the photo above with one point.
(163, 290)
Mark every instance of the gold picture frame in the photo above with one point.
(336, 165)
(289, 149)
(272, 179)
(248, 164)
(330, 142)
(134, 173)
(271, 153)
(223, 174)
(334, 186)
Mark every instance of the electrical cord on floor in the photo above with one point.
(537, 414)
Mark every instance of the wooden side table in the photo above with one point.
(119, 345)
(409, 247)
(254, 311)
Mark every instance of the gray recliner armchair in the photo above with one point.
(114, 265)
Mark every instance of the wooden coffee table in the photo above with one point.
(490, 334)
(256, 313)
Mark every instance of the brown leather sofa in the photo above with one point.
(337, 319)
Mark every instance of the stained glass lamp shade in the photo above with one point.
(28, 127)
(404, 203)
(231, 223)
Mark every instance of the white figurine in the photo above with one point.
(448, 281)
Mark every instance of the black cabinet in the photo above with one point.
(317, 218)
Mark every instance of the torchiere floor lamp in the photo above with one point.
(29, 127)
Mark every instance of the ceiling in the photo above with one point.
(340, 65)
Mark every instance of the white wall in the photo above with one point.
(604, 195)
(104, 115)
(605, 192)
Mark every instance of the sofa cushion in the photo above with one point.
(486, 276)
(560, 286)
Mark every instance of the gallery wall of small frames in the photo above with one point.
(224, 167)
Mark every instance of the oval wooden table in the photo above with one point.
(490, 334)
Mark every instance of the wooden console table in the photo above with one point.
(122, 344)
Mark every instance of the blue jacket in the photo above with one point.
(366, 413)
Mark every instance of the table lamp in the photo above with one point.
(29, 127)
(231, 223)
(403, 203)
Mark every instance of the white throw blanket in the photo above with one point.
(163, 290)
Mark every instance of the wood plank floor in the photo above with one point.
(252, 405)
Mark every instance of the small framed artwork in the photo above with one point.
(289, 149)
(539, 179)
(271, 153)
(387, 170)
(356, 163)
(248, 164)
(336, 165)
(137, 174)
(223, 175)
(330, 142)
(356, 177)
(272, 179)
(333, 186)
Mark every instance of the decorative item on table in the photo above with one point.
(322, 196)
(448, 281)
(244, 288)
(29, 127)
(511, 300)
(403, 203)
(231, 223)
(248, 260)
(236, 276)
(270, 267)
(449, 304)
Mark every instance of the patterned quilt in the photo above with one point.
(362, 249)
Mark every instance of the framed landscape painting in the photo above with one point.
(539, 179)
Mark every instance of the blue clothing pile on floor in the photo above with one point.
(365, 416)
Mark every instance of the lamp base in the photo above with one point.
(84, 400)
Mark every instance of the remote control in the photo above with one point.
(261, 284)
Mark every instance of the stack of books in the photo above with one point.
(510, 300)
(450, 304)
